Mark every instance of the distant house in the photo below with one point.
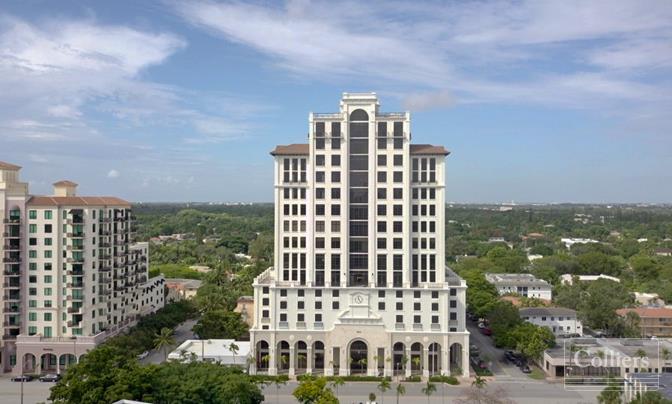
(569, 242)
(180, 289)
(496, 240)
(245, 306)
(654, 321)
(568, 279)
(560, 320)
(204, 269)
(649, 299)
(522, 284)
(663, 252)
(532, 257)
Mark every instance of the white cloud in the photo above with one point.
(113, 174)
(499, 51)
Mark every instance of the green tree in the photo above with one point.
(400, 390)
(163, 341)
(337, 382)
(312, 389)
(428, 390)
(612, 394)
(221, 324)
(383, 386)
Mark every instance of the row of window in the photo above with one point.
(294, 170)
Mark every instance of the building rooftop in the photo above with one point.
(213, 349)
(8, 166)
(184, 283)
(65, 183)
(78, 201)
(646, 312)
(515, 279)
(303, 149)
(546, 311)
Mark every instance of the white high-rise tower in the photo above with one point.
(359, 282)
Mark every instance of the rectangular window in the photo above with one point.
(32, 214)
(32, 228)
(48, 214)
(336, 160)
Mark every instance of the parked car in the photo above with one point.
(474, 351)
(525, 369)
(22, 378)
(478, 363)
(143, 355)
(510, 356)
(481, 325)
(50, 378)
(486, 331)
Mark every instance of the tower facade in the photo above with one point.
(359, 282)
(72, 275)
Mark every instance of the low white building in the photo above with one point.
(649, 299)
(568, 279)
(526, 285)
(569, 242)
(560, 320)
(223, 351)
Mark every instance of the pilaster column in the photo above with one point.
(408, 362)
(465, 357)
(445, 361)
(309, 360)
(292, 361)
(328, 360)
(272, 366)
(425, 362)
(344, 368)
(386, 364)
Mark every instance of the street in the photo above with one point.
(182, 333)
(528, 392)
(489, 353)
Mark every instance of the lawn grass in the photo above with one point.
(537, 374)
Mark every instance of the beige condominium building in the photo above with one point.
(72, 277)
(359, 283)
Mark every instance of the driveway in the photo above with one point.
(501, 369)
(181, 334)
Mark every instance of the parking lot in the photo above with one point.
(493, 356)
(33, 392)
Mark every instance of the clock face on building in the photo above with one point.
(359, 299)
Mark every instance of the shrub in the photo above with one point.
(452, 380)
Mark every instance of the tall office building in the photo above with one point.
(359, 282)
(72, 277)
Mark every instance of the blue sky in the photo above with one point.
(539, 101)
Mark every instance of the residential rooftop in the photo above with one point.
(296, 149)
(647, 312)
(546, 311)
(515, 279)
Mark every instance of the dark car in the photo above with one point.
(478, 363)
(525, 369)
(22, 378)
(50, 378)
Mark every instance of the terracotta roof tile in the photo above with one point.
(290, 149)
(428, 149)
(7, 166)
(302, 148)
(65, 183)
(77, 201)
(643, 312)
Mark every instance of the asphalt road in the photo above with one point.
(502, 370)
(532, 392)
(182, 333)
(33, 392)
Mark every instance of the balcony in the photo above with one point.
(104, 281)
(11, 220)
(11, 324)
(75, 260)
(74, 298)
(436, 327)
(104, 220)
(120, 243)
(11, 235)
(399, 326)
(104, 269)
(104, 245)
(104, 257)
(11, 309)
(8, 337)
(11, 260)
(105, 292)
(12, 247)
(73, 323)
(118, 288)
(76, 285)
(75, 273)
(75, 221)
(142, 278)
(417, 327)
(13, 285)
(74, 310)
(79, 234)
(9, 272)
(75, 248)
(318, 326)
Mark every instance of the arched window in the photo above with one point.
(359, 115)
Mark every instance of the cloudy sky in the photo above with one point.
(539, 101)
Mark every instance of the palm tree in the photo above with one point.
(479, 382)
(163, 341)
(337, 382)
(428, 390)
(404, 361)
(300, 358)
(383, 386)
(266, 359)
(234, 350)
(667, 355)
(401, 390)
(416, 361)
